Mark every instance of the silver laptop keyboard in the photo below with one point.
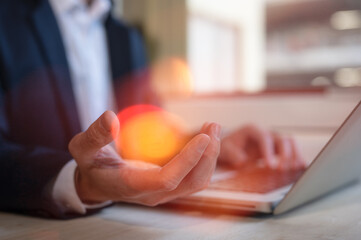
(257, 180)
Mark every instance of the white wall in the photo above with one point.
(309, 112)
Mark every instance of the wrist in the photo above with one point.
(84, 190)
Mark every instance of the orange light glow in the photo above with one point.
(150, 134)
(172, 77)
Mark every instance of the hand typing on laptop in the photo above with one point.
(252, 143)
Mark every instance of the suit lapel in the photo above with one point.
(118, 50)
(126, 50)
(50, 41)
(118, 46)
(128, 62)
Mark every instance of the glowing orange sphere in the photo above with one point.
(150, 134)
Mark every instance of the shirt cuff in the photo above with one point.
(64, 192)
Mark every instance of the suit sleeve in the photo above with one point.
(27, 172)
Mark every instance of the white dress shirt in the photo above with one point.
(85, 43)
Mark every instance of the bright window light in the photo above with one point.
(345, 20)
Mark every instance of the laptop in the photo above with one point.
(263, 190)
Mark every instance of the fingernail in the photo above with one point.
(216, 131)
(106, 120)
(203, 143)
(273, 163)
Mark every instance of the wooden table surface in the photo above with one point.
(336, 216)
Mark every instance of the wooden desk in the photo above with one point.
(338, 216)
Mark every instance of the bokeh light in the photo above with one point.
(150, 134)
(171, 77)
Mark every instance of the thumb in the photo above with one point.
(102, 132)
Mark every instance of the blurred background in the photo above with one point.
(291, 65)
(250, 46)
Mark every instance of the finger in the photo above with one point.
(205, 126)
(233, 155)
(200, 175)
(266, 143)
(98, 135)
(208, 161)
(175, 170)
(298, 160)
(284, 147)
(167, 178)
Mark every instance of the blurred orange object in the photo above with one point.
(150, 134)
(171, 77)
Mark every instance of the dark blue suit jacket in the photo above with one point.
(38, 115)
